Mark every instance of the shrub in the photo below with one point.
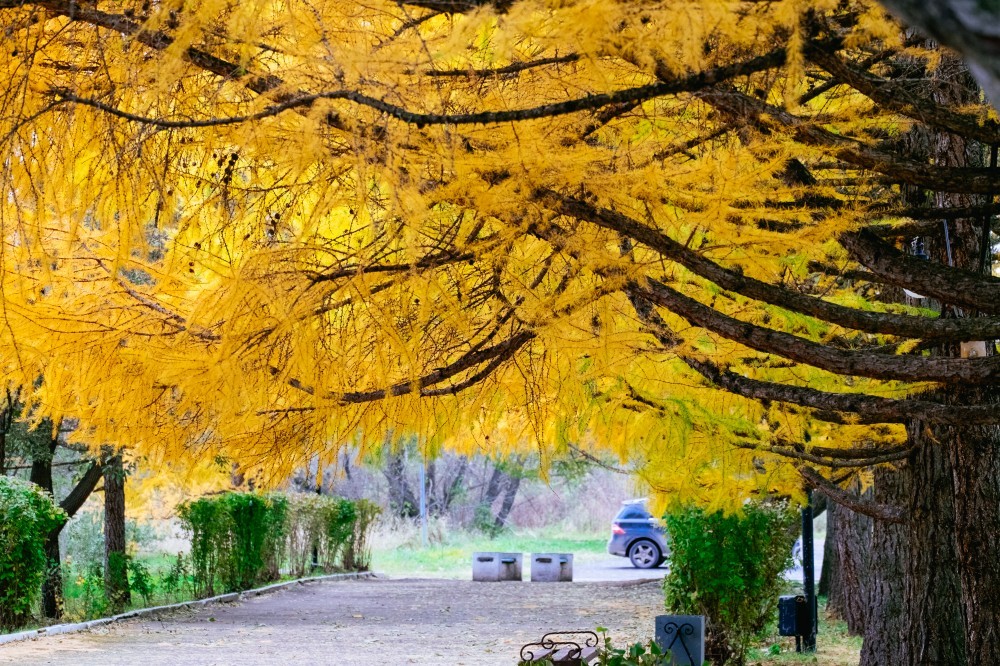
(177, 577)
(728, 568)
(27, 515)
(83, 537)
(235, 540)
(319, 525)
(357, 555)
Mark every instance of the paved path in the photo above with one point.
(361, 623)
(611, 569)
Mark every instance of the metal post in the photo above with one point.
(423, 499)
(809, 575)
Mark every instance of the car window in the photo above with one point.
(633, 513)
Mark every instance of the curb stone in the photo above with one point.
(57, 629)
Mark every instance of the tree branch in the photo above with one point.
(871, 322)
(871, 408)
(949, 285)
(861, 364)
(885, 512)
(82, 490)
(894, 96)
(968, 180)
(588, 102)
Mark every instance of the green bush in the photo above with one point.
(728, 568)
(318, 525)
(83, 537)
(235, 540)
(239, 539)
(357, 555)
(27, 515)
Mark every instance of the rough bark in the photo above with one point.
(935, 631)
(888, 553)
(972, 452)
(848, 540)
(969, 27)
(115, 552)
(975, 459)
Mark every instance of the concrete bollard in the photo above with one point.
(494, 567)
(552, 567)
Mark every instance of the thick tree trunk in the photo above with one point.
(935, 632)
(975, 458)
(849, 538)
(888, 550)
(115, 553)
(972, 454)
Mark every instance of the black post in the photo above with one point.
(809, 575)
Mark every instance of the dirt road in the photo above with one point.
(362, 623)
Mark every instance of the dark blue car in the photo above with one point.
(637, 535)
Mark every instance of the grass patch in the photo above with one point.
(449, 554)
(834, 647)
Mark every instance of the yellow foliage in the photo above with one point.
(263, 291)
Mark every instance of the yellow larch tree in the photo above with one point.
(257, 231)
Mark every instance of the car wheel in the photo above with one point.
(644, 554)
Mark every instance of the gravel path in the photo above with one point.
(362, 623)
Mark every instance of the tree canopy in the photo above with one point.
(256, 231)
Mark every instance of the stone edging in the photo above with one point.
(142, 612)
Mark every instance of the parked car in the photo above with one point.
(637, 535)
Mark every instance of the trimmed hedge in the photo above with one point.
(239, 540)
(27, 515)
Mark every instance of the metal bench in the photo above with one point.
(562, 648)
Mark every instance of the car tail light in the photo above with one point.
(617, 529)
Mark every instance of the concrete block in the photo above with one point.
(683, 637)
(494, 567)
(552, 567)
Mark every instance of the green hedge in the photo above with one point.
(236, 539)
(239, 540)
(728, 568)
(318, 526)
(27, 515)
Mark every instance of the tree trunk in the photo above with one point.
(850, 576)
(971, 455)
(115, 554)
(888, 549)
(454, 487)
(402, 501)
(975, 458)
(935, 632)
(513, 483)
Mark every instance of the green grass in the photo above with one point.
(452, 556)
(834, 647)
